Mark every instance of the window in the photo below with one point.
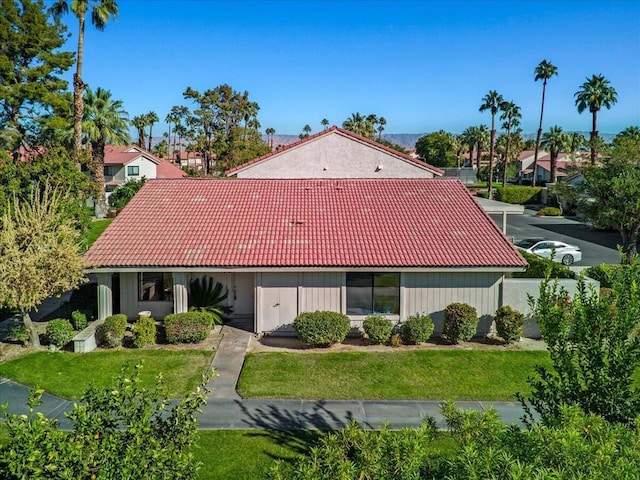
(110, 171)
(155, 287)
(133, 170)
(369, 293)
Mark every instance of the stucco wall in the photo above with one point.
(146, 169)
(334, 156)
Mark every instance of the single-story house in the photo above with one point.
(129, 162)
(282, 247)
(335, 153)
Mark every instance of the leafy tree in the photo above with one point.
(554, 141)
(270, 133)
(177, 117)
(161, 149)
(140, 123)
(630, 134)
(105, 122)
(101, 13)
(151, 119)
(594, 344)
(125, 192)
(491, 102)
(123, 431)
(364, 126)
(30, 65)
(39, 253)
(511, 115)
(575, 141)
(437, 148)
(306, 130)
(594, 94)
(381, 124)
(610, 194)
(325, 123)
(544, 71)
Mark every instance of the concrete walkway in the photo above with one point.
(227, 410)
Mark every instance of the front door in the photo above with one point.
(278, 302)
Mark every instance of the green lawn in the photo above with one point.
(95, 230)
(69, 374)
(418, 374)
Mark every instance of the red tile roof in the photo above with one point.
(166, 169)
(303, 223)
(123, 154)
(346, 133)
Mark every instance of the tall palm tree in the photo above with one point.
(491, 102)
(270, 133)
(356, 123)
(140, 123)
(594, 94)
(306, 130)
(381, 124)
(483, 138)
(101, 13)
(544, 71)
(325, 123)
(511, 115)
(151, 118)
(554, 141)
(575, 141)
(469, 136)
(105, 122)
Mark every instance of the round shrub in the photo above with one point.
(79, 320)
(321, 329)
(144, 332)
(19, 333)
(188, 327)
(460, 322)
(549, 212)
(377, 328)
(59, 332)
(509, 324)
(111, 332)
(417, 328)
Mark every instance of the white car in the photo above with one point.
(561, 252)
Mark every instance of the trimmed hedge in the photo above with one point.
(144, 332)
(188, 327)
(321, 329)
(59, 332)
(111, 332)
(460, 322)
(549, 211)
(538, 267)
(509, 324)
(79, 320)
(416, 329)
(377, 328)
(604, 273)
(517, 194)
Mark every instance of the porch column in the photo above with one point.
(180, 296)
(105, 295)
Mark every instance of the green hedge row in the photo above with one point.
(518, 194)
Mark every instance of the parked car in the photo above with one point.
(561, 252)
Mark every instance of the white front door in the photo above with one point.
(278, 303)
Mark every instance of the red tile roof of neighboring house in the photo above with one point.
(123, 154)
(344, 132)
(391, 223)
(166, 169)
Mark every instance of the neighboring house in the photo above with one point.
(566, 165)
(187, 159)
(124, 163)
(282, 247)
(335, 153)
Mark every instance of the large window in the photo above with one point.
(155, 287)
(110, 170)
(369, 293)
(133, 170)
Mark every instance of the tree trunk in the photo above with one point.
(491, 151)
(552, 166)
(538, 136)
(506, 158)
(78, 90)
(97, 168)
(594, 137)
(150, 136)
(630, 244)
(31, 329)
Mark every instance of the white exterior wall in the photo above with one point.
(432, 292)
(131, 306)
(146, 169)
(334, 156)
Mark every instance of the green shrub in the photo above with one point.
(417, 328)
(18, 333)
(549, 212)
(538, 266)
(188, 327)
(604, 273)
(509, 324)
(59, 332)
(79, 320)
(111, 333)
(144, 332)
(206, 296)
(518, 194)
(125, 192)
(460, 322)
(377, 328)
(321, 329)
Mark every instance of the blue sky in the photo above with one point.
(423, 65)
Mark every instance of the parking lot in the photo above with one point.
(597, 246)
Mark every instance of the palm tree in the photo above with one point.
(140, 123)
(325, 123)
(594, 94)
(150, 119)
(544, 71)
(554, 141)
(491, 102)
(105, 122)
(511, 115)
(381, 123)
(356, 123)
(483, 139)
(101, 13)
(306, 130)
(575, 141)
(270, 133)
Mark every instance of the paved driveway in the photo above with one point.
(597, 246)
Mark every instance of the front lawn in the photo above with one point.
(69, 374)
(417, 374)
(95, 230)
